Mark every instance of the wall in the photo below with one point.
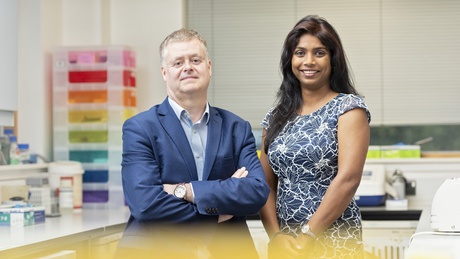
(144, 23)
(8, 66)
(44, 24)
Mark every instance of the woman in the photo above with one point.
(314, 147)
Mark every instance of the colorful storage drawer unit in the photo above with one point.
(87, 96)
(88, 116)
(90, 56)
(96, 176)
(94, 92)
(118, 97)
(110, 78)
(122, 77)
(88, 136)
(107, 174)
(89, 156)
(110, 65)
(111, 116)
(102, 196)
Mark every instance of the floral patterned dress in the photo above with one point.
(304, 157)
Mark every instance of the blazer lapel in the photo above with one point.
(213, 142)
(173, 128)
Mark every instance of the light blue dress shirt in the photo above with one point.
(196, 133)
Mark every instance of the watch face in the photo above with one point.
(180, 191)
(305, 229)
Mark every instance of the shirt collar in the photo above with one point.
(178, 109)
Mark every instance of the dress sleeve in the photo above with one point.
(351, 102)
(266, 121)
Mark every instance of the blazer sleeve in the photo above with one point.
(142, 177)
(234, 196)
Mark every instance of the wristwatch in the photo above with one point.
(180, 191)
(305, 229)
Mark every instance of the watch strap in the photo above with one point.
(307, 231)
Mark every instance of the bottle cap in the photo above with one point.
(23, 146)
(8, 132)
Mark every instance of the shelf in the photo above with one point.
(419, 165)
(438, 160)
(391, 215)
(26, 167)
(18, 172)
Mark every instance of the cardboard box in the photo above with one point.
(21, 216)
(374, 152)
(401, 151)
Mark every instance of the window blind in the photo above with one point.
(404, 54)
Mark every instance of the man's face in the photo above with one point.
(186, 69)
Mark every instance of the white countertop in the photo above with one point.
(424, 243)
(70, 222)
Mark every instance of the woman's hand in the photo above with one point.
(305, 243)
(284, 246)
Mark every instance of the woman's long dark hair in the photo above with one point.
(289, 96)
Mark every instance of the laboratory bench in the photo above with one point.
(381, 213)
(386, 232)
(94, 233)
(88, 233)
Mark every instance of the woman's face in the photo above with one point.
(311, 63)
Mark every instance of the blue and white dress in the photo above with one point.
(304, 157)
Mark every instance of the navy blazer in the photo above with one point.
(156, 151)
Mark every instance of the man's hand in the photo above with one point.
(169, 188)
(240, 173)
(224, 217)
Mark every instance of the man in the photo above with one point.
(190, 171)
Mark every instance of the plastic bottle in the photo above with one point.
(14, 151)
(399, 184)
(5, 150)
(66, 193)
(24, 155)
